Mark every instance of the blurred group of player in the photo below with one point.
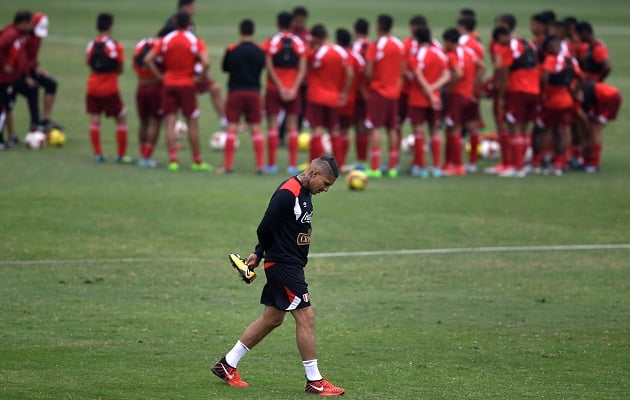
(548, 93)
(21, 73)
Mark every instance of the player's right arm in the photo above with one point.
(225, 64)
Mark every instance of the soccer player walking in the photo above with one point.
(284, 236)
(244, 62)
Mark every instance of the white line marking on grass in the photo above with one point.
(579, 247)
(508, 249)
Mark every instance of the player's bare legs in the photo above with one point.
(375, 152)
(291, 126)
(148, 131)
(95, 137)
(48, 102)
(121, 139)
(393, 136)
(305, 332)
(195, 148)
(273, 141)
(217, 102)
(270, 319)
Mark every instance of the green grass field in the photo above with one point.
(114, 281)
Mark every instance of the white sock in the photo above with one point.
(235, 355)
(312, 372)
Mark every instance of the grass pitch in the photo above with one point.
(115, 284)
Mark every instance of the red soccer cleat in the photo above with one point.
(455, 171)
(228, 374)
(323, 388)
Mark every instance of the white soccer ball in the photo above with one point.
(181, 128)
(218, 139)
(406, 145)
(35, 140)
(489, 149)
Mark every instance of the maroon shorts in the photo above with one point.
(381, 111)
(322, 116)
(243, 102)
(520, 107)
(555, 117)
(459, 109)
(175, 98)
(345, 122)
(149, 100)
(204, 84)
(348, 109)
(273, 103)
(607, 110)
(111, 105)
(360, 109)
(403, 107)
(420, 115)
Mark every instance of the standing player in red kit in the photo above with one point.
(430, 74)
(180, 50)
(286, 68)
(347, 113)
(385, 67)
(148, 103)
(35, 77)
(600, 104)
(244, 62)
(411, 49)
(105, 57)
(204, 82)
(461, 110)
(361, 134)
(12, 58)
(517, 78)
(470, 38)
(592, 54)
(329, 81)
(559, 72)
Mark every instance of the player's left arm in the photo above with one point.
(600, 54)
(121, 57)
(225, 64)
(204, 58)
(480, 71)
(300, 77)
(343, 96)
